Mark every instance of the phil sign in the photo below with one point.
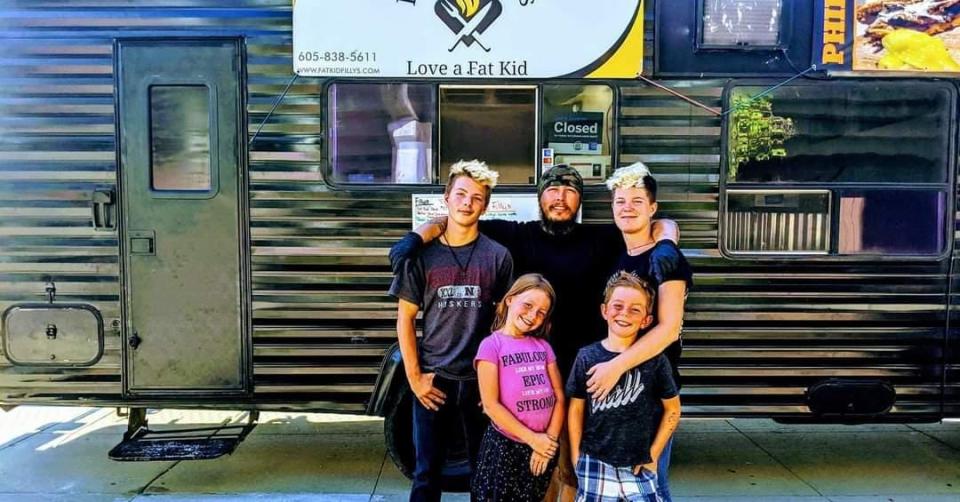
(907, 37)
(468, 38)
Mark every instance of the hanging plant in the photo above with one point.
(755, 132)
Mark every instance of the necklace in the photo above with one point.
(473, 247)
(642, 247)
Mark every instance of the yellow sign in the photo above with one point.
(468, 39)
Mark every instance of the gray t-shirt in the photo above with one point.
(456, 288)
(620, 429)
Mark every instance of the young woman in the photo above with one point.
(663, 265)
(522, 393)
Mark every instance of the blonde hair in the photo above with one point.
(624, 279)
(636, 175)
(525, 283)
(475, 170)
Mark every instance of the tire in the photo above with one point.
(398, 433)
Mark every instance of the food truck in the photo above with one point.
(197, 197)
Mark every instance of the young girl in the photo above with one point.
(522, 393)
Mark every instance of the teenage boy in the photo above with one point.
(664, 267)
(455, 281)
(615, 441)
(575, 258)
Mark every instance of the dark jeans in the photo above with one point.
(461, 415)
(663, 465)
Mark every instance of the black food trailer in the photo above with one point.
(197, 197)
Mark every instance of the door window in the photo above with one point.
(180, 138)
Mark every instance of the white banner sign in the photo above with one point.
(468, 38)
(513, 207)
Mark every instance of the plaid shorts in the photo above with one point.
(601, 482)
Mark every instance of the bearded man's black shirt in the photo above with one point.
(576, 264)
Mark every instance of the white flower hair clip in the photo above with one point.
(477, 171)
(629, 177)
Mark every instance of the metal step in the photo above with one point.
(141, 444)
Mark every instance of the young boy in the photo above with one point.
(455, 281)
(615, 441)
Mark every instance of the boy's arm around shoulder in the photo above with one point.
(405, 249)
(674, 275)
(665, 229)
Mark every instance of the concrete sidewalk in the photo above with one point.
(60, 454)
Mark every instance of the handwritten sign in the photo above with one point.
(512, 207)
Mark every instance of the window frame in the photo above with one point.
(615, 87)
(537, 118)
(831, 207)
(213, 135)
(676, 54)
(836, 189)
(327, 167)
(783, 39)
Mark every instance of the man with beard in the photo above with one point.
(575, 258)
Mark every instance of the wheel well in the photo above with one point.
(390, 383)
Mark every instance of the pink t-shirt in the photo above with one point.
(525, 387)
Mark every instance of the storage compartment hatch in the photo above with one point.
(41, 334)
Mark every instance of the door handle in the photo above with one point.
(102, 205)
(143, 242)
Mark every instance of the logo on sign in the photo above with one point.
(468, 19)
(454, 292)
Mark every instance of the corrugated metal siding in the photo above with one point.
(757, 333)
(321, 320)
(56, 148)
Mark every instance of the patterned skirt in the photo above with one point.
(503, 471)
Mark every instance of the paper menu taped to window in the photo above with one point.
(512, 207)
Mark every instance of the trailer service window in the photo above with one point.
(838, 168)
(491, 123)
(410, 133)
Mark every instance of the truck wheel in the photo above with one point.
(398, 432)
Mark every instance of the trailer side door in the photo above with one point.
(183, 203)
